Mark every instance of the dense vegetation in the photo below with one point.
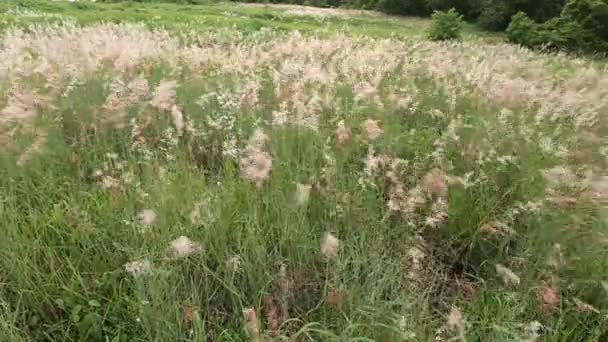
(236, 172)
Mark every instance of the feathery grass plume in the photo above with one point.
(258, 139)
(548, 299)
(109, 182)
(21, 106)
(233, 263)
(163, 97)
(532, 331)
(415, 257)
(178, 119)
(146, 217)
(371, 129)
(256, 164)
(302, 194)
(138, 267)
(342, 134)
(122, 96)
(435, 184)
(182, 247)
(280, 117)
(455, 323)
(507, 276)
(584, 307)
(329, 246)
(252, 325)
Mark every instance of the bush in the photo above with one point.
(590, 14)
(564, 33)
(582, 25)
(446, 25)
(523, 30)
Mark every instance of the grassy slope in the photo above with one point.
(215, 16)
(66, 238)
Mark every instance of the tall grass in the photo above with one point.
(297, 187)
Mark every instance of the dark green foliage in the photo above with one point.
(582, 25)
(590, 14)
(495, 15)
(523, 30)
(470, 9)
(401, 7)
(446, 25)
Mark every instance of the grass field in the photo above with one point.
(230, 172)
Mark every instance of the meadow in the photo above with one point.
(235, 172)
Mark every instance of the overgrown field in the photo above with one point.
(158, 184)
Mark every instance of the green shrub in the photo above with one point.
(590, 14)
(523, 30)
(582, 25)
(446, 25)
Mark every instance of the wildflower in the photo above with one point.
(342, 133)
(146, 217)
(507, 276)
(372, 130)
(138, 267)
(182, 247)
(302, 194)
(329, 246)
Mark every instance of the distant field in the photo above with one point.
(214, 16)
(235, 172)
